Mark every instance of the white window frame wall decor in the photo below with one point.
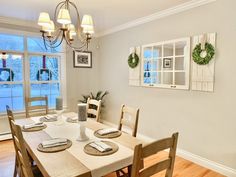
(170, 68)
(26, 68)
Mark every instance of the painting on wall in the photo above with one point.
(167, 63)
(82, 59)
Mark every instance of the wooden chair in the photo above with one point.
(94, 109)
(11, 118)
(141, 153)
(133, 122)
(23, 163)
(29, 108)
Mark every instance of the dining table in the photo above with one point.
(74, 162)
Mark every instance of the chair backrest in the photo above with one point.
(29, 108)
(21, 152)
(129, 117)
(140, 153)
(94, 109)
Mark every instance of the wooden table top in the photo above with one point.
(67, 163)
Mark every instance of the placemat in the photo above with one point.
(42, 119)
(34, 129)
(92, 151)
(110, 135)
(56, 148)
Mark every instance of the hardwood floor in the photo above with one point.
(183, 168)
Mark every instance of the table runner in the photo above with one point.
(99, 166)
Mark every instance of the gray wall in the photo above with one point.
(206, 121)
(81, 80)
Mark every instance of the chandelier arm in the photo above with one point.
(78, 22)
(57, 37)
(75, 48)
(53, 45)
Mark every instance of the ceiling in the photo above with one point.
(106, 13)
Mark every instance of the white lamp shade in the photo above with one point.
(71, 28)
(44, 19)
(64, 17)
(89, 30)
(87, 21)
(50, 28)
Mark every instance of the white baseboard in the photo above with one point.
(5, 136)
(222, 169)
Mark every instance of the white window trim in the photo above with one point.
(26, 54)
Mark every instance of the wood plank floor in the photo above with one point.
(183, 168)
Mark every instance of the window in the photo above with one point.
(28, 69)
(166, 64)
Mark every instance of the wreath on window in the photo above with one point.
(203, 56)
(44, 75)
(133, 60)
(9, 76)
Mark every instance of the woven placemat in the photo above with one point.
(54, 149)
(43, 119)
(110, 135)
(92, 151)
(34, 129)
(71, 120)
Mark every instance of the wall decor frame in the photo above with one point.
(82, 59)
(167, 63)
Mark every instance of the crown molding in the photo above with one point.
(161, 14)
(18, 22)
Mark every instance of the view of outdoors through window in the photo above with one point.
(43, 72)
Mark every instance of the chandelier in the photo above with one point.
(61, 27)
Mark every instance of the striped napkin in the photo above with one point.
(54, 142)
(100, 146)
(33, 125)
(107, 131)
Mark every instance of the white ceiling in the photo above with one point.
(106, 13)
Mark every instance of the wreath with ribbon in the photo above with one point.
(10, 74)
(133, 60)
(46, 71)
(203, 56)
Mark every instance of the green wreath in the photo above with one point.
(133, 60)
(203, 57)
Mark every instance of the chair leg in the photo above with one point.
(129, 170)
(16, 167)
(118, 173)
(15, 171)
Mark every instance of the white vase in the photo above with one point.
(82, 132)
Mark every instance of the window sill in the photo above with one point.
(21, 114)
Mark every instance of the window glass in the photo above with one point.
(44, 68)
(11, 42)
(36, 44)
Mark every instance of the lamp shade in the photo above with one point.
(44, 19)
(87, 21)
(71, 28)
(50, 28)
(89, 30)
(64, 17)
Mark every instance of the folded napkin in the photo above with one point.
(33, 125)
(106, 131)
(54, 142)
(50, 117)
(74, 118)
(100, 146)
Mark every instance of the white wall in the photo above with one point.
(206, 121)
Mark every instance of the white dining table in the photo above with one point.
(74, 162)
